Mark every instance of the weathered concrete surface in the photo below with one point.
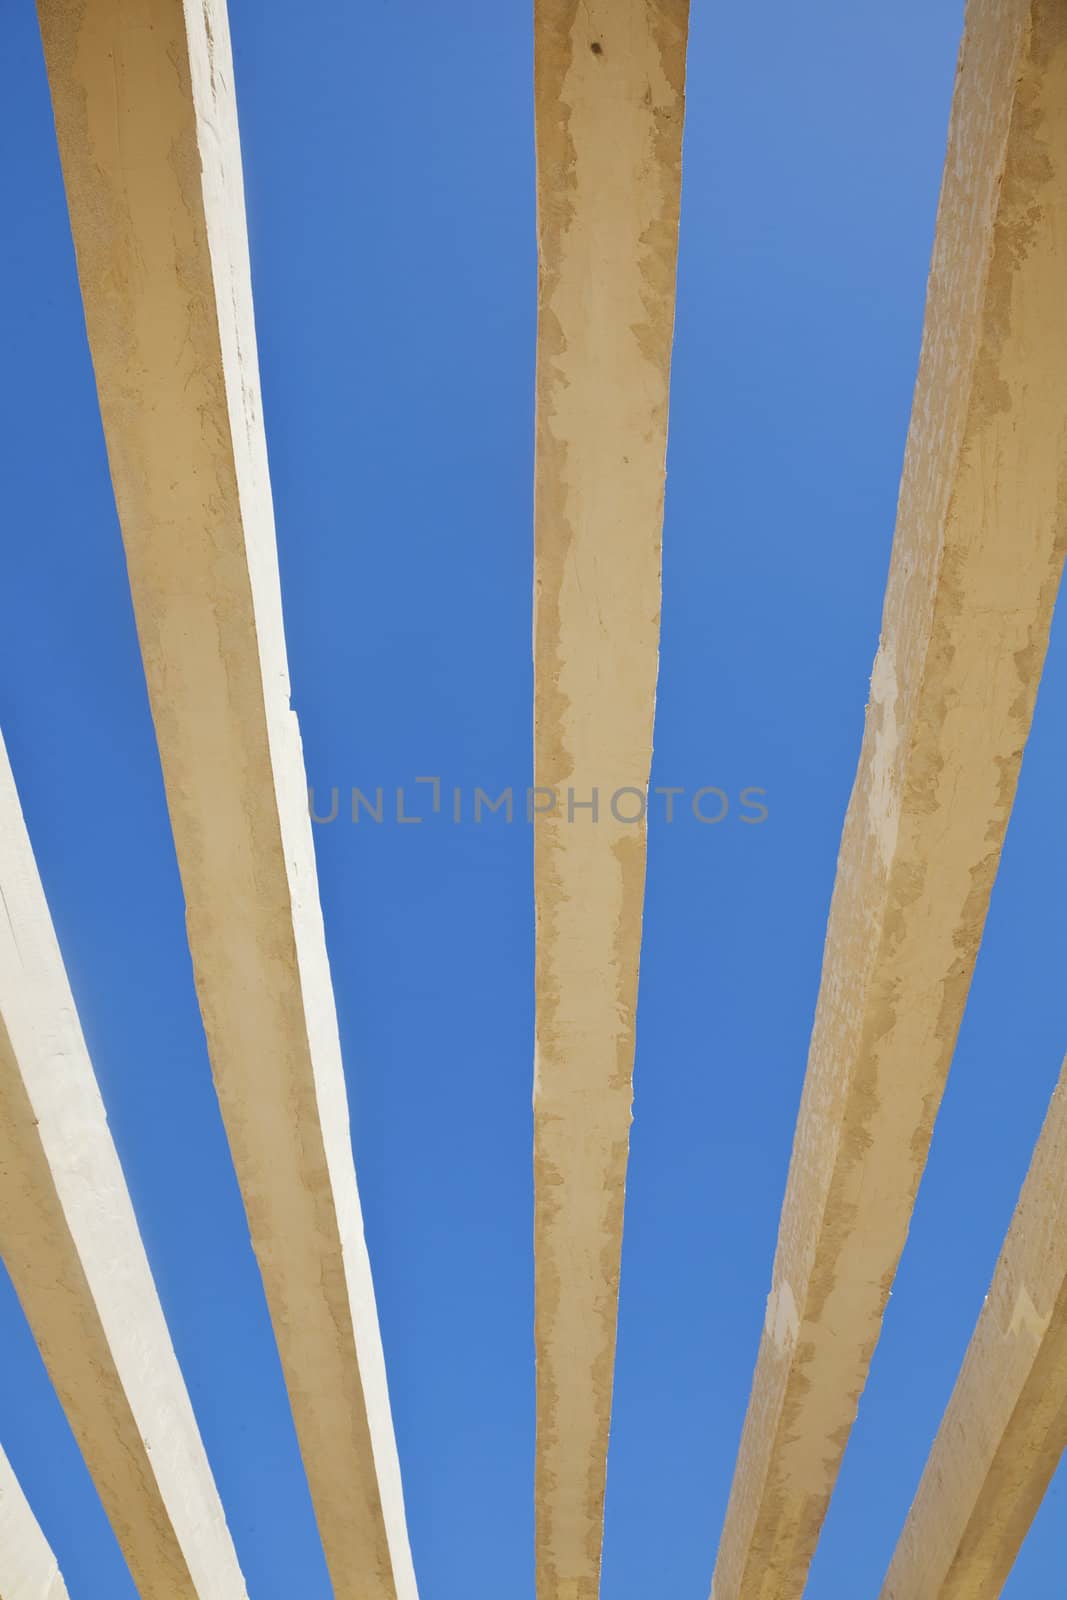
(70, 1242)
(28, 1569)
(1005, 1428)
(144, 105)
(976, 561)
(609, 105)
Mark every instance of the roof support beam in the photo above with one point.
(70, 1242)
(143, 94)
(28, 1569)
(977, 557)
(1005, 1428)
(609, 112)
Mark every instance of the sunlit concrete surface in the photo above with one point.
(609, 112)
(1005, 1428)
(71, 1245)
(976, 562)
(28, 1569)
(143, 95)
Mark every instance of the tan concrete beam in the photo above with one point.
(1005, 1427)
(609, 107)
(144, 104)
(976, 562)
(28, 1569)
(70, 1242)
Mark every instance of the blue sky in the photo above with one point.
(389, 174)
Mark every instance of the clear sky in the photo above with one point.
(389, 173)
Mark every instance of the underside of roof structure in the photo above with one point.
(609, 106)
(145, 113)
(143, 96)
(1005, 1429)
(70, 1242)
(977, 556)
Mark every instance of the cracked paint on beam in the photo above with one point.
(28, 1569)
(977, 557)
(70, 1242)
(1005, 1428)
(143, 95)
(609, 112)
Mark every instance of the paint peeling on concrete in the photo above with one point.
(143, 97)
(1026, 1319)
(977, 558)
(884, 801)
(782, 1321)
(609, 106)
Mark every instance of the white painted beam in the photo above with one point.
(143, 94)
(977, 557)
(28, 1569)
(609, 112)
(1005, 1427)
(71, 1245)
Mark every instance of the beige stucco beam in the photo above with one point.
(143, 95)
(976, 562)
(28, 1568)
(1005, 1427)
(71, 1245)
(609, 113)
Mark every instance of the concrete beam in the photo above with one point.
(609, 112)
(1005, 1428)
(28, 1569)
(70, 1242)
(977, 556)
(143, 95)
